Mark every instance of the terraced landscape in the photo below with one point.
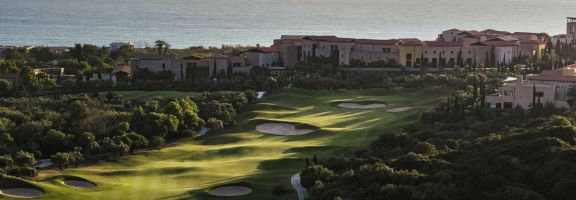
(241, 155)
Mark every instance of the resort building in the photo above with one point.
(550, 86)
(196, 66)
(121, 72)
(571, 30)
(263, 57)
(290, 49)
(158, 63)
(447, 54)
(218, 64)
(368, 51)
(409, 49)
(452, 47)
(328, 46)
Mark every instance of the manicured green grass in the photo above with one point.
(242, 155)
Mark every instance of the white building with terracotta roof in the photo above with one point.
(550, 86)
(263, 57)
(158, 63)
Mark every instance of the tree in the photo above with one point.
(5, 88)
(214, 124)
(162, 46)
(564, 189)
(24, 159)
(174, 108)
(13, 55)
(157, 142)
(459, 59)
(138, 141)
(56, 141)
(6, 161)
(61, 159)
(424, 148)
(192, 121)
(270, 84)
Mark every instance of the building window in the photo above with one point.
(163, 66)
(451, 52)
(425, 52)
(434, 52)
(507, 105)
(425, 62)
(469, 52)
(469, 61)
(508, 93)
(409, 56)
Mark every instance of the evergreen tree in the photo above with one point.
(459, 59)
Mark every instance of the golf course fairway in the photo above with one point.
(241, 155)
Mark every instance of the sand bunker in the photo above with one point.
(282, 129)
(21, 192)
(80, 184)
(361, 106)
(399, 109)
(229, 191)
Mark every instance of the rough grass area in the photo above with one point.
(241, 154)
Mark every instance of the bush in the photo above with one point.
(157, 142)
(282, 190)
(214, 124)
(24, 159)
(424, 148)
(21, 171)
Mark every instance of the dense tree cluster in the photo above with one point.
(466, 153)
(76, 129)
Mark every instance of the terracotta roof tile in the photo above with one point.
(376, 42)
(443, 44)
(123, 68)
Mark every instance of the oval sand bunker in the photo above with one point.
(21, 192)
(399, 109)
(361, 106)
(80, 184)
(282, 129)
(229, 191)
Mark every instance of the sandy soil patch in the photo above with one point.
(282, 129)
(21, 192)
(399, 109)
(361, 106)
(80, 184)
(229, 191)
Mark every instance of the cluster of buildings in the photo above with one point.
(548, 87)
(454, 47)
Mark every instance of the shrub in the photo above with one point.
(214, 124)
(424, 148)
(282, 190)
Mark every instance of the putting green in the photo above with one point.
(189, 169)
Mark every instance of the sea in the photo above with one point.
(186, 23)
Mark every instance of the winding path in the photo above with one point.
(295, 181)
